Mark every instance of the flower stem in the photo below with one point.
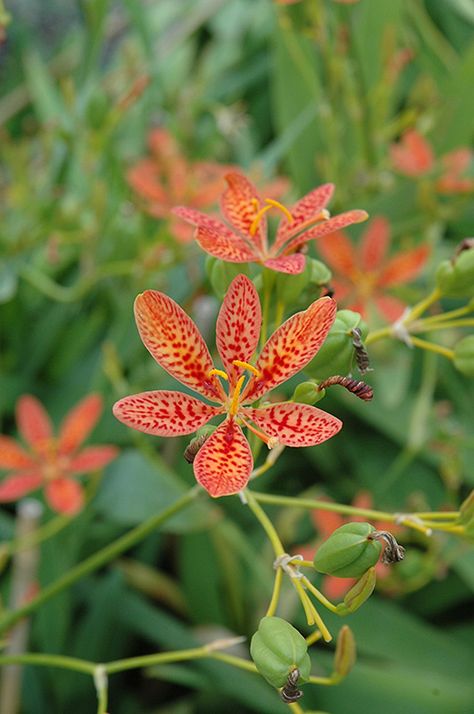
(97, 560)
(422, 306)
(265, 522)
(377, 335)
(425, 325)
(432, 347)
(276, 593)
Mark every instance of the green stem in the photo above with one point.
(377, 335)
(432, 347)
(425, 326)
(97, 560)
(467, 310)
(422, 306)
(47, 660)
(265, 522)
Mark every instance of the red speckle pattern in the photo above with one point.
(164, 413)
(323, 229)
(232, 249)
(240, 210)
(175, 342)
(238, 326)
(291, 347)
(303, 211)
(201, 220)
(290, 264)
(295, 424)
(223, 465)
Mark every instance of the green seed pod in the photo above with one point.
(337, 353)
(290, 287)
(348, 552)
(319, 273)
(307, 393)
(456, 278)
(466, 510)
(345, 656)
(359, 593)
(221, 274)
(277, 648)
(464, 356)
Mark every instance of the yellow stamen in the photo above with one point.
(246, 365)
(283, 209)
(234, 406)
(219, 372)
(257, 219)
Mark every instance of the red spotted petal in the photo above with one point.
(12, 456)
(240, 204)
(175, 342)
(233, 249)
(164, 413)
(238, 325)
(202, 220)
(79, 423)
(291, 347)
(404, 267)
(291, 264)
(33, 421)
(93, 458)
(304, 213)
(224, 463)
(333, 224)
(19, 484)
(65, 496)
(375, 243)
(295, 424)
(413, 155)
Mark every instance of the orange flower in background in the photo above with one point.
(326, 522)
(167, 178)
(363, 275)
(52, 461)
(413, 156)
(224, 463)
(245, 238)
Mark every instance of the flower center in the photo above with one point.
(270, 203)
(235, 398)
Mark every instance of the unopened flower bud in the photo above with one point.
(308, 393)
(277, 649)
(455, 278)
(359, 593)
(221, 274)
(290, 287)
(349, 552)
(336, 355)
(345, 656)
(464, 356)
(319, 272)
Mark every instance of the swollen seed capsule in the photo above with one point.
(464, 356)
(277, 649)
(336, 355)
(455, 278)
(349, 552)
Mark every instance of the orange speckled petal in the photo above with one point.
(33, 421)
(290, 264)
(238, 325)
(17, 485)
(295, 424)
(224, 464)
(175, 342)
(305, 210)
(240, 204)
(233, 250)
(93, 458)
(65, 496)
(12, 456)
(291, 347)
(336, 223)
(79, 423)
(202, 220)
(164, 413)
(375, 242)
(404, 267)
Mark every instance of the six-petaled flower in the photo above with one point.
(364, 275)
(413, 156)
(52, 461)
(224, 463)
(247, 238)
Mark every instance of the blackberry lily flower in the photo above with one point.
(245, 211)
(224, 463)
(51, 461)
